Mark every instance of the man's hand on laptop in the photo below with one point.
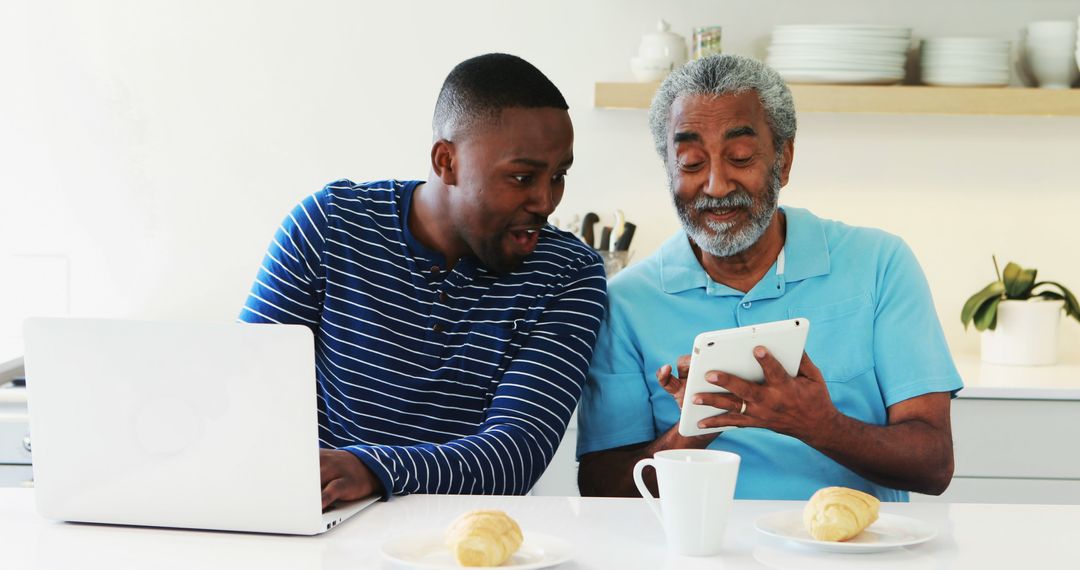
(345, 478)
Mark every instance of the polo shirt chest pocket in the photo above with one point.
(841, 338)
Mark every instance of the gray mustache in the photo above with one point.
(736, 199)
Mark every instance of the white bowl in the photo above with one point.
(1052, 28)
(1058, 71)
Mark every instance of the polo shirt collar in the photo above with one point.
(806, 253)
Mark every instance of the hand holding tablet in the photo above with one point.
(732, 351)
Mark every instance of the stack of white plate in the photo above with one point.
(839, 53)
(976, 62)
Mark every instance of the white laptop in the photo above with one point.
(207, 426)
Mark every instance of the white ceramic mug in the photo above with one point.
(696, 491)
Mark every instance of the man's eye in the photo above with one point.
(523, 178)
(558, 178)
(690, 166)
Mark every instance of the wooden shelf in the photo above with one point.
(907, 99)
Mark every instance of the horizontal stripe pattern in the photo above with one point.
(451, 382)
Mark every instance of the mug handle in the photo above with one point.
(649, 499)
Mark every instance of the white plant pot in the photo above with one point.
(1026, 334)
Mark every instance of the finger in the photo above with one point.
(683, 365)
(326, 467)
(721, 401)
(730, 419)
(774, 372)
(332, 492)
(743, 389)
(669, 383)
(808, 369)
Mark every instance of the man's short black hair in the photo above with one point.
(478, 89)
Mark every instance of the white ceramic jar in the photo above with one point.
(659, 53)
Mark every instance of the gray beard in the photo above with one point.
(717, 238)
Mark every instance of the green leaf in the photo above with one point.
(1072, 307)
(991, 291)
(1051, 296)
(986, 315)
(1012, 270)
(1018, 281)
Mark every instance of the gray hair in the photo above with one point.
(725, 74)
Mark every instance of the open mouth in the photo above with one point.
(525, 239)
(721, 214)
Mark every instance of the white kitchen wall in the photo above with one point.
(156, 144)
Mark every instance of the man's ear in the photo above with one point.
(789, 153)
(443, 161)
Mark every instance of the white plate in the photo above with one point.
(426, 549)
(889, 531)
(840, 76)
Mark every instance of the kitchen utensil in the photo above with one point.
(623, 243)
(605, 238)
(618, 228)
(587, 228)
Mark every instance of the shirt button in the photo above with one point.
(435, 269)
(437, 327)
(746, 305)
(442, 297)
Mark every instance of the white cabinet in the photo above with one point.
(1015, 451)
(1016, 434)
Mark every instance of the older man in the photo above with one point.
(869, 407)
(453, 326)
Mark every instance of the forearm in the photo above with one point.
(504, 461)
(610, 473)
(912, 455)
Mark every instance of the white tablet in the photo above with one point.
(732, 351)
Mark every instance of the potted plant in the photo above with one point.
(1019, 316)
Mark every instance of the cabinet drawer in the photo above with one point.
(1014, 491)
(1016, 438)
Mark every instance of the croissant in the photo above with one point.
(483, 538)
(837, 514)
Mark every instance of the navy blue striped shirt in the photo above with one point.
(440, 382)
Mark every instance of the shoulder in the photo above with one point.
(859, 244)
(372, 192)
(867, 251)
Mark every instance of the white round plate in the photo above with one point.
(840, 76)
(427, 550)
(889, 531)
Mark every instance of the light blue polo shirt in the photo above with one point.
(874, 334)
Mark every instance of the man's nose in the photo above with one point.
(719, 183)
(542, 200)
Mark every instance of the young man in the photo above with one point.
(869, 407)
(453, 326)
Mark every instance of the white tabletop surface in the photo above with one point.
(607, 534)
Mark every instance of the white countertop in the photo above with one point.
(607, 533)
(992, 381)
